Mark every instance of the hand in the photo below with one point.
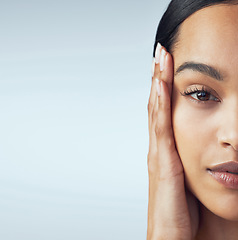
(172, 210)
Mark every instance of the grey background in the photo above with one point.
(74, 85)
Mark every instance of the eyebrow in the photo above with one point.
(202, 68)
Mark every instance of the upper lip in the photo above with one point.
(230, 166)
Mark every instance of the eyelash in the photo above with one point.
(196, 90)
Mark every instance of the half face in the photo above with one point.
(205, 103)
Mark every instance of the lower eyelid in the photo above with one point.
(208, 102)
(211, 95)
(194, 88)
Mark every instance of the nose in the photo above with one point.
(228, 134)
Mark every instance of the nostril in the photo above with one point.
(234, 146)
(226, 144)
(229, 140)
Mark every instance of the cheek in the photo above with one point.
(186, 134)
(193, 135)
(188, 143)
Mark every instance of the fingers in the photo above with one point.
(167, 202)
(162, 69)
(159, 109)
(162, 123)
(152, 101)
(152, 111)
(167, 75)
(155, 74)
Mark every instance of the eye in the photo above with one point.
(202, 96)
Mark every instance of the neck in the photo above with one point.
(213, 227)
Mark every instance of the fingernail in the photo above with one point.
(162, 58)
(153, 67)
(157, 53)
(158, 86)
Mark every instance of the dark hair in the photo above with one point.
(177, 11)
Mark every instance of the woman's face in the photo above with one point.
(206, 126)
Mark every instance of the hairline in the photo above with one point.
(177, 31)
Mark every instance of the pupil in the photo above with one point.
(203, 95)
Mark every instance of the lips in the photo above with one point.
(226, 167)
(226, 174)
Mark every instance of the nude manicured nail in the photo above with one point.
(162, 59)
(153, 67)
(157, 86)
(157, 53)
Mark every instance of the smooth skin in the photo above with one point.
(188, 135)
(168, 211)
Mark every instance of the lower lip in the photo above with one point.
(229, 180)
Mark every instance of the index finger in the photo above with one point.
(164, 69)
(167, 75)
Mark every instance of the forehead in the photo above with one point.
(210, 35)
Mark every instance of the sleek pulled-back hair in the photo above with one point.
(177, 11)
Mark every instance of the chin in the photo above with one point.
(227, 211)
(223, 206)
(227, 215)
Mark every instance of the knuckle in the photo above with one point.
(152, 161)
(159, 130)
(165, 131)
(155, 114)
(165, 106)
(152, 168)
(170, 143)
(148, 158)
(151, 154)
(149, 106)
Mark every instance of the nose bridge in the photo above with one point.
(229, 123)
